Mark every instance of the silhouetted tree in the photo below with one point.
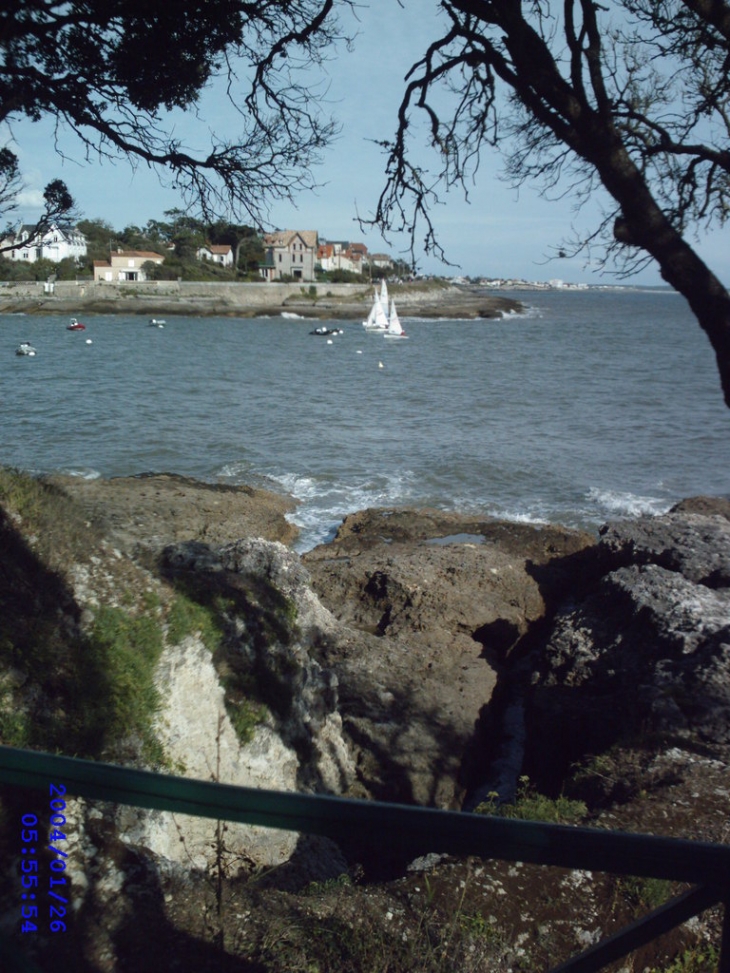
(633, 96)
(109, 69)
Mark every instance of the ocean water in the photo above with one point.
(590, 405)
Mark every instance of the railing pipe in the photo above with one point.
(415, 830)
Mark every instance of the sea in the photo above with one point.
(589, 405)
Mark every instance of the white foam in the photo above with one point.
(83, 474)
(323, 502)
(615, 502)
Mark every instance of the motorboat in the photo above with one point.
(157, 323)
(25, 348)
(75, 325)
(327, 331)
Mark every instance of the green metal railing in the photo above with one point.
(417, 830)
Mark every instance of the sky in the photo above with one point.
(500, 232)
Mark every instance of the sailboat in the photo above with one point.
(395, 328)
(377, 320)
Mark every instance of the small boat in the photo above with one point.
(395, 328)
(327, 331)
(377, 319)
(157, 323)
(25, 348)
(75, 325)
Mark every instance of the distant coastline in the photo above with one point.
(246, 300)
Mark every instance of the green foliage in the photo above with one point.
(340, 277)
(696, 959)
(245, 715)
(15, 729)
(89, 690)
(329, 884)
(186, 617)
(644, 894)
(39, 270)
(529, 805)
(118, 696)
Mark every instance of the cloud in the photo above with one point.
(31, 199)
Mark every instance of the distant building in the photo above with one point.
(289, 254)
(125, 265)
(381, 260)
(56, 244)
(342, 256)
(217, 253)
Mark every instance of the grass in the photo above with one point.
(644, 894)
(77, 691)
(188, 617)
(696, 959)
(529, 805)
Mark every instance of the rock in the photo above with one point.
(434, 603)
(696, 545)
(646, 654)
(273, 628)
(198, 737)
(148, 512)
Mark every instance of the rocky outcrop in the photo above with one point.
(434, 603)
(274, 619)
(645, 655)
(380, 660)
(145, 513)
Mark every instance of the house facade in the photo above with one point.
(343, 256)
(217, 253)
(125, 265)
(381, 260)
(56, 244)
(289, 254)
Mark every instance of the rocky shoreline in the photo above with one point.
(421, 657)
(332, 302)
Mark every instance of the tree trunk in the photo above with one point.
(645, 225)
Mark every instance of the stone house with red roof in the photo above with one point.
(290, 254)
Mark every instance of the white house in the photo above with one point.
(342, 256)
(125, 265)
(217, 253)
(56, 244)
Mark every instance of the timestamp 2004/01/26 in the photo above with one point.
(30, 866)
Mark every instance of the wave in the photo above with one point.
(324, 502)
(83, 473)
(626, 504)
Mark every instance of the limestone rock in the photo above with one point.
(274, 639)
(432, 603)
(197, 735)
(647, 652)
(696, 545)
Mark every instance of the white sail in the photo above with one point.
(384, 293)
(395, 328)
(377, 319)
(381, 318)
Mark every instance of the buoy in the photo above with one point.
(381, 365)
(89, 341)
(329, 341)
(359, 351)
